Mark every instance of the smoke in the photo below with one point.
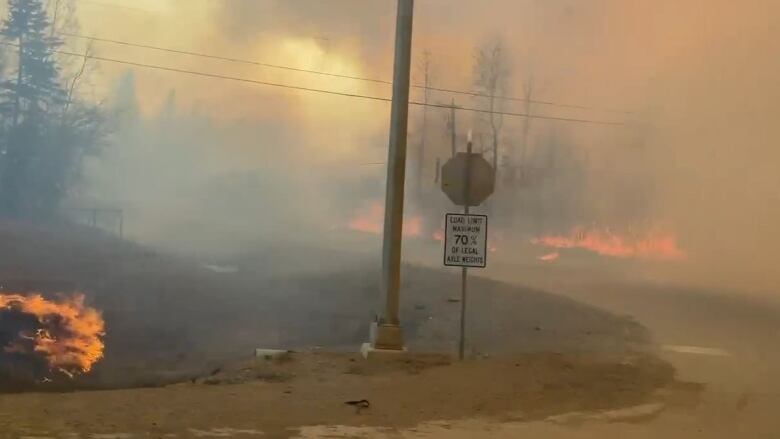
(698, 154)
(366, 21)
(715, 146)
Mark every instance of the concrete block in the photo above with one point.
(369, 352)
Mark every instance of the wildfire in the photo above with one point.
(653, 245)
(371, 220)
(66, 334)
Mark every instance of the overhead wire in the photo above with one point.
(322, 91)
(334, 75)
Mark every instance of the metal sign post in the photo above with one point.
(464, 276)
(468, 180)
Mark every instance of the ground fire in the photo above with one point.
(371, 220)
(63, 336)
(605, 242)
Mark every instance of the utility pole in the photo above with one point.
(386, 334)
(453, 130)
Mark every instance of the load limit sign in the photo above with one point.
(465, 240)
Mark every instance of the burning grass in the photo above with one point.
(371, 220)
(63, 336)
(605, 242)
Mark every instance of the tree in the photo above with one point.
(168, 111)
(491, 75)
(425, 71)
(126, 102)
(528, 89)
(45, 129)
(36, 85)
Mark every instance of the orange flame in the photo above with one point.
(75, 348)
(371, 220)
(654, 245)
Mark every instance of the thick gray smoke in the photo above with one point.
(698, 154)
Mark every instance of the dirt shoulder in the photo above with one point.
(279, 397)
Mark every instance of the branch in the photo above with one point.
(77, 77)
(54, 20)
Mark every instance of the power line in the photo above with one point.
(117, 6)
(334, 75)
(223, 58)
(317, 90)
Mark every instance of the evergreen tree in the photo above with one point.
(126, 101)
(41, 145)
(168, 112)
(36, 86)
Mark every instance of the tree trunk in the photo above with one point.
(526, 128)
(421, 150)
(494, 128)
(17, 97)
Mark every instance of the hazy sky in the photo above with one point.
(578, 54)
(600, 53)
(701, 73)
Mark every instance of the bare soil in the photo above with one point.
(279, 396)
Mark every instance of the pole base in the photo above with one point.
(371, 353)
(386, 337)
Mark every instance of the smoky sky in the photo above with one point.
(698, 76)
(368, 21)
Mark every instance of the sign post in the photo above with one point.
(467, 179)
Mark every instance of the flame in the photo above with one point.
(653, 245)
(549, 257)
(371, 220)
(70, 334)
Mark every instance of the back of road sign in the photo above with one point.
(468, 169)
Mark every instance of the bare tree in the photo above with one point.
(77, 77)
(491, 75)
(55, 16)
(425, 71)
(528, 90)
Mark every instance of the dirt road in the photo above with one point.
(283, 398)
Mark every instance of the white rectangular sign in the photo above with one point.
(465, 240)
